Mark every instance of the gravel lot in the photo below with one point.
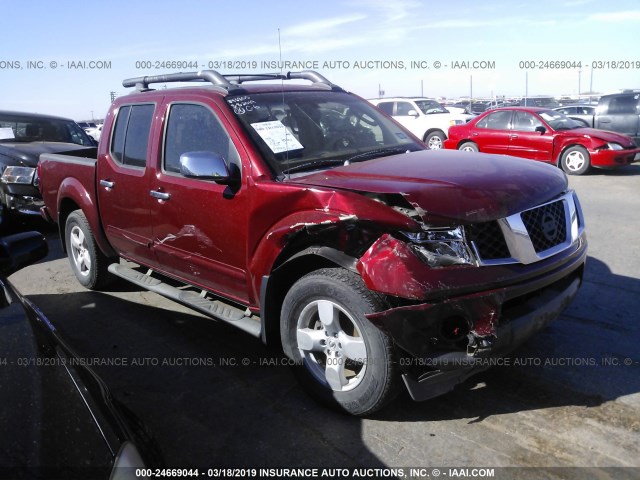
(574, 403)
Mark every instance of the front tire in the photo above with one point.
(575, 160)
(435, 140)
(344, 360)
(88, 263)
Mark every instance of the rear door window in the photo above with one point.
(386, 107)
(131, 135)
(496, 121)
(623, 104)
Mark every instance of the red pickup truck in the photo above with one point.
(305, 216)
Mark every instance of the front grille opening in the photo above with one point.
(546, 225)
(488, 240)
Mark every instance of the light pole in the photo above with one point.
(579, 80)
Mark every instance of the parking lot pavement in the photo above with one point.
(572, 399)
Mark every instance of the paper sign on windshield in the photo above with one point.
(6, 132)
(278, 137)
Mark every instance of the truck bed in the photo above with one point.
(59, 173)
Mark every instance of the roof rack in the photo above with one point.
(227, 83)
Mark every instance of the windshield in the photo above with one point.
(297, 131)
(559, 121)
(33, 129)
(430, 106)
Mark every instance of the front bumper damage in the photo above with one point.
(21, 199)
(454, 335)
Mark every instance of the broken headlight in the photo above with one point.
(441, 247)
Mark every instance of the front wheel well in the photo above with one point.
(275, 286)
(564, 149)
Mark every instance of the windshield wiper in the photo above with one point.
(327, 162)
(314, 163)
(379, 152)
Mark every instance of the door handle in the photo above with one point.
(160, 195)
(513, 136)
(107, 183)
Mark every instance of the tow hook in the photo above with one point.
(479, 346)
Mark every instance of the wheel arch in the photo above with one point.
(463, 141)
(433, 130)
(563, 148)
(66, 207)
(274, 287)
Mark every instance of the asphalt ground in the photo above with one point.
(216, 397)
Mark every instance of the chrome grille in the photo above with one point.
(546, 225)
(528, 236)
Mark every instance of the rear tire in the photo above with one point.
(435, 140)
(88, 263)
(343, 360)
(469, 147)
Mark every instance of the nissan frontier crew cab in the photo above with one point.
(306, 217)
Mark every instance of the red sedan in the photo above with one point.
(545, 135)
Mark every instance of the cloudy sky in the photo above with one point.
(67, 61)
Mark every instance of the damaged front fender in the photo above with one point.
(389, 266)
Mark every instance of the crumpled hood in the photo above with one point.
(449, 184)
(28, 154)
(605, 135)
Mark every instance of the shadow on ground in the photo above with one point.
(214, 395)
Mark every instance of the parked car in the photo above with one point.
(23, 137)
(583, 114)
(58, 419)
(544, 135)
(457, 110)
(620, 112)
(306, 217)
(539, 101)
(424, 117)
(472, 108)
(90, 129)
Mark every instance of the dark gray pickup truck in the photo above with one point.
(23, 137)
(620, 112)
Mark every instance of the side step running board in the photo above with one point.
(212, 308)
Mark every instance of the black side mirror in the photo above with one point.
(541, 129)
(206, 166)
(21, 249)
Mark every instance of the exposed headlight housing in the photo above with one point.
(615, 146)
(23, 175)
(441, 247)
